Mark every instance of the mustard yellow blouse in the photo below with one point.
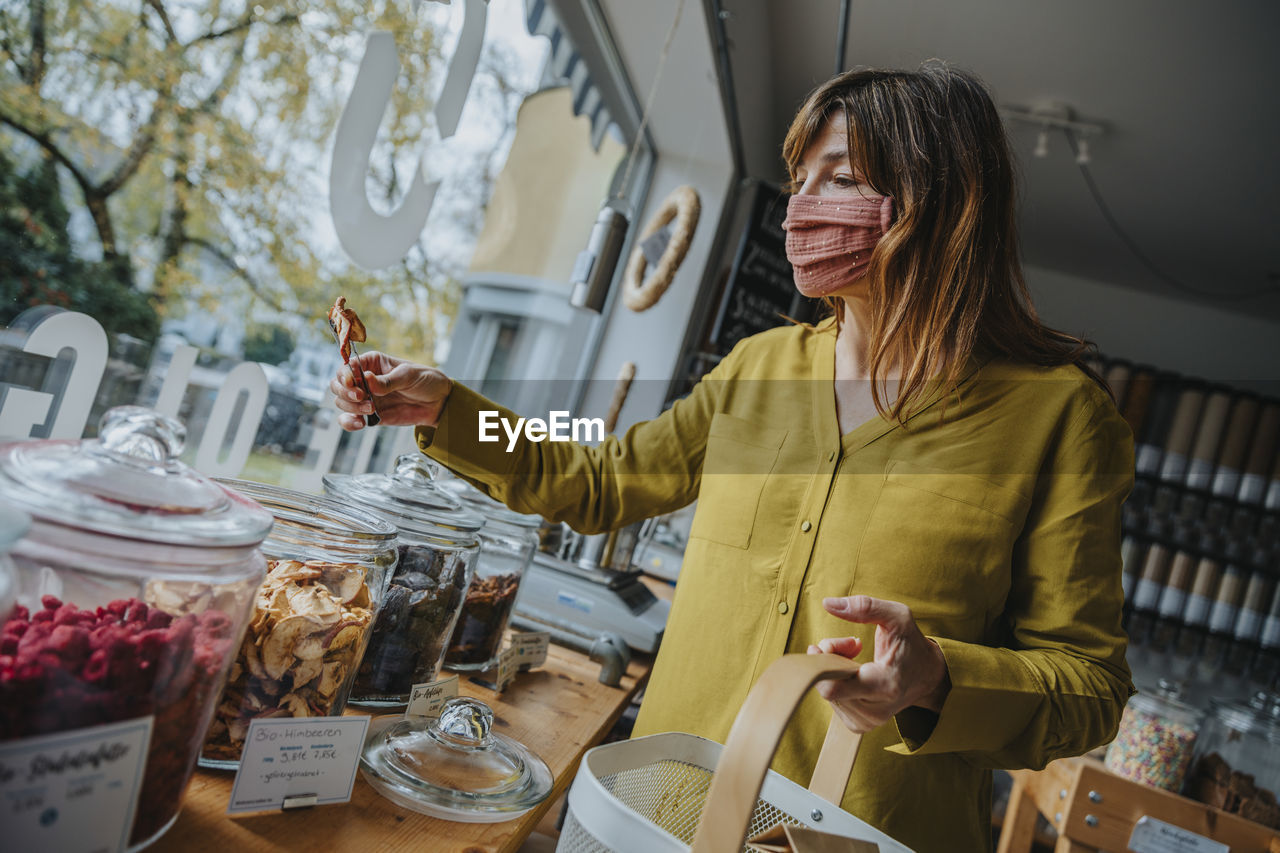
(994, 513)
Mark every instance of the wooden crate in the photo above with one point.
(1094, 809)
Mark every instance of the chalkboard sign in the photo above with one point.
(760, 289)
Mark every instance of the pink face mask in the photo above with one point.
(829, 240)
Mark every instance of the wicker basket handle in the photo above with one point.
(740, 772)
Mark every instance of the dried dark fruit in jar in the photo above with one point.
(478, 637)
(1215, 782)
(415, 623)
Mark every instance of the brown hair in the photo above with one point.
(945, 280)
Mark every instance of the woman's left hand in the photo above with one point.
(908, 669)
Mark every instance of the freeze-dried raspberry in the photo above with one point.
(137, 611)
(215, 623)
(65, 668)
(67, 614)
(71, 642)
(36, 634)
(96, 669)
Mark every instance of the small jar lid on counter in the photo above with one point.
(454, 766)
(438, 546)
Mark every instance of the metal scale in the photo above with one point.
(586, 584)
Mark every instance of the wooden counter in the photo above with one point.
(559, 711)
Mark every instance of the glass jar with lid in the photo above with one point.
(131, 590)
(438, 549)
(1236, 766)
(1156, 737)
(327, 572)
(508, 541)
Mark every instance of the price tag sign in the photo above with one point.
(531, 648)
(526, 649)
(1156, 836)
(74, 791)
(297, 760)
(508, 666)
(426, 700)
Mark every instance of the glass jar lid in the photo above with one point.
(410, 497)
(128, 482)
(13, 525)
(1165, 702)
(1259, 717)
(488, 507)
(309, 521)
(453, 766)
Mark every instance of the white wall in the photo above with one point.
(1182, 336)
(688, 129)
(652, 338)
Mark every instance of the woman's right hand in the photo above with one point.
(404, 393)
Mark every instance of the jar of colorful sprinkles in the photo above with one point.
(1156, 739)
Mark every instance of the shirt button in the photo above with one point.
(806, 527)
(782, 607)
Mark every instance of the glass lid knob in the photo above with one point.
(465, 721)
(139, 434)
(414, 468)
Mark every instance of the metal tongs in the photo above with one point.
(370, 419)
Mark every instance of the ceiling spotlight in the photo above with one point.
(1082, 151)
(1042, 143)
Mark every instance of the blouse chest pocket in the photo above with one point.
(941, 543)
(740, 456)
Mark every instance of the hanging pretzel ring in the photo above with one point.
(640, 293)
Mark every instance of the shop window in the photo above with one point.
(186, 187)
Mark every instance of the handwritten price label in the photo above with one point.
(426, 700)
(75, 790)
(526, 649)
(1156, 836)
(297, 759)
(531, 648)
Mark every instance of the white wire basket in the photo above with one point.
(650, 794)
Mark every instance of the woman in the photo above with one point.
(925, 482)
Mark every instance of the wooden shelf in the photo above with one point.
(1094, 809)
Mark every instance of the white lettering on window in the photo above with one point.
(370, 239)
(247, 377)
(84, 336)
